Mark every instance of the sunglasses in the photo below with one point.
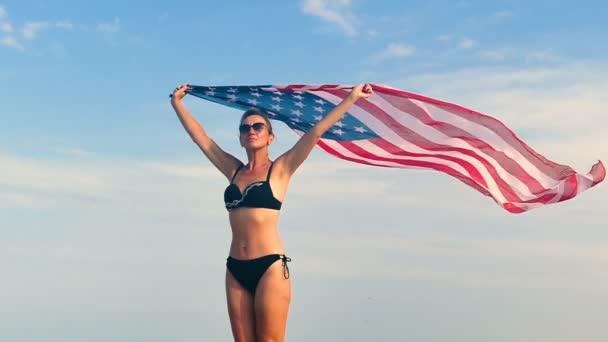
(245, 128)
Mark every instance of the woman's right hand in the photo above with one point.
(180, 92)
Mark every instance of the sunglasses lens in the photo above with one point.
(258, 126)
(244, 128)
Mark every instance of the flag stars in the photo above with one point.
(299, 104)
(256, 94)
(339, 124)
(318, 117)
(210, 93)
(360, 129)
(276, 98)
(319, 109)
(337, 131)
(278, 93)
(276, 107)
(297, 96)
(232, 90)
(253, 102)
(319, 101)
(295, 120)
(296, 112)
(231, 97)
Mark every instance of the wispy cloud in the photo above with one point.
(394, 50)
(31, 29)
(64, 24)
(6, 27)
(461, 42)
(466, 43)
(10, 41)
(546, 55)
(495, 55)
(336, 12)
(444, 37)
(112, 27)
(503, 14)
(521, 55)
(371, 33)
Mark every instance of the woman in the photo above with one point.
(258, 288)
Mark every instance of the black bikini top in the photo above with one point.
(256, 195)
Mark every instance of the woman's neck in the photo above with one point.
(258, 159)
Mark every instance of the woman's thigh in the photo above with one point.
(272, 298)
(240, 309)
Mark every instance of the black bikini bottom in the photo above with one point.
(249, 272)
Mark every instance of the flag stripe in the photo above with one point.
(361, 156)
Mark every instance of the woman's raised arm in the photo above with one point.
(225, 162)
(292, 159)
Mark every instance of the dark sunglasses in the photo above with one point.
(245, 128)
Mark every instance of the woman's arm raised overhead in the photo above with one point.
(293, 158)
(225, 162)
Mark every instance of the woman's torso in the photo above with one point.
(255, 230)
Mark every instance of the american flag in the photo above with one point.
(394, 128)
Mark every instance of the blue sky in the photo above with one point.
(111, 220)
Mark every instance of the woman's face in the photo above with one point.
(253, 133)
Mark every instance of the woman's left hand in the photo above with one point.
(361, 91)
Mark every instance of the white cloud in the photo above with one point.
(463, 42)
(394, 50)
(503, 14)
(113, 27)
(372, 33)
(521, 55)
(495, 55)
(444, 37)
(547, 55)
(336, 12)
(399, 50)
(466, 43)
(31, 29)
(11, 42)
(64, 24)
(6, 27)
